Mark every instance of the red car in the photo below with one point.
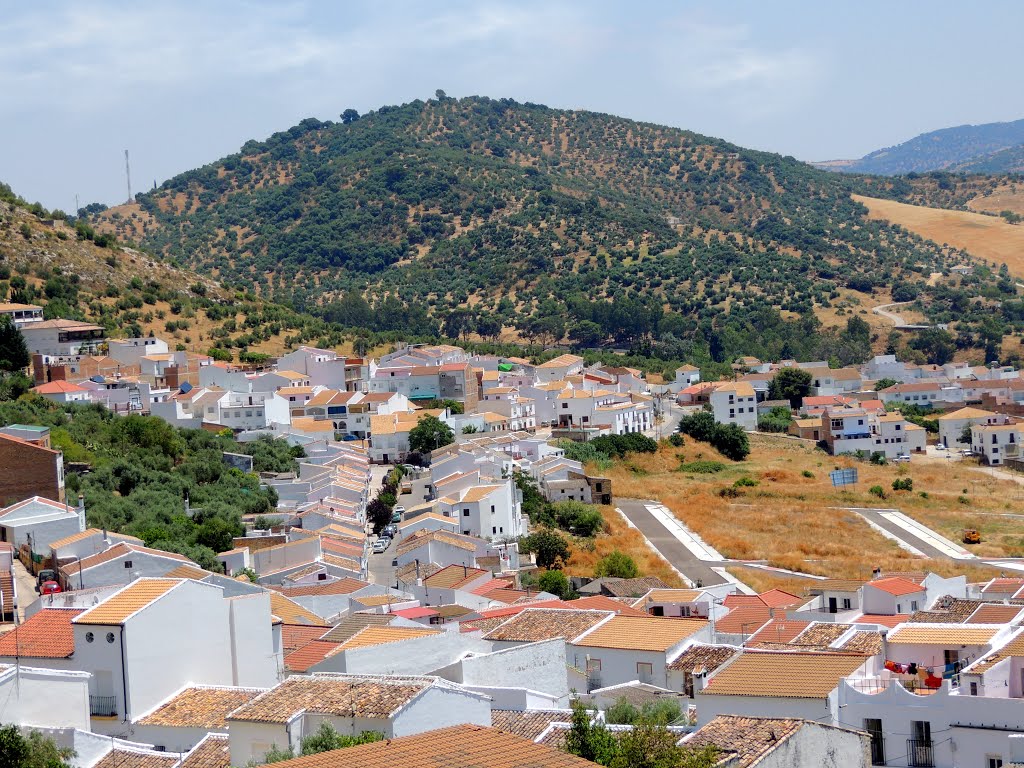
(49, 588)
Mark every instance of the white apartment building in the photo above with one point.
(735, 403)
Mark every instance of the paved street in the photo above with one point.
(380, 569)
(668, 545)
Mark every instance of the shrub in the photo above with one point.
(903, 484)
(878, 458)
(746, 482)
(704, 467)
(577, 517)
(617, 565)
(877, 490)
(557, 584)
(676, 440)
(550, 547)
(808, 473)
(729, 493)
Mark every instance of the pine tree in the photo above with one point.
(13, 351)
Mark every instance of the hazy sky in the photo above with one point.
(180, 84)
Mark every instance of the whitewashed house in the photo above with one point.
(735, 403)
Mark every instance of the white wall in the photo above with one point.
(115, 572)
(416, 656)
(822, 748)
(709, 707)
(537, 666)
(439, 707)
(254, 661)
(44, 698)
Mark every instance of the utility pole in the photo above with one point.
(128, 174)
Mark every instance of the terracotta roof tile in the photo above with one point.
(294, 636)
(896, 586)
(995, 614)
(373, 636)
(706, 657)
(535, 624)
(130, 758)
(605, 603)
(356, 622)
(821, 634)
(309, 655)
(119, 606)
(744, 620)
(784, 674)
(200, 707)
(291, 612)
(780, 631)
(214, 751)
(863, 641)
(343, 586)
(885, 620)
(669, 596)
(744, 741)
(47, 634)
(778, 598)
(529, 724)
(453, 577)
(941, 634)
(641, 633)
(348, 695)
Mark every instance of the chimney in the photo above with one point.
(80, 509)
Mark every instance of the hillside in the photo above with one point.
(516, 221)
(75, 273)
(986, 148)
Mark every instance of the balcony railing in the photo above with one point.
(102, 706)
(920, 753)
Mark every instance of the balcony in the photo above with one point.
(102, 706)
(920, 753)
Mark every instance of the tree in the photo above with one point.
(936, 344)
(651, 745)
(731, 441)
(349, 116)
(586, 333)
(429, 434)
(550, 547)
(14, 353)
(577, 517)
(557, 584)
(885, 384)
(965, 435)
(700, 426)
(32, 751)
(618, 565)
(791, 384)
(588, 738)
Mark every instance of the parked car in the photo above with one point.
(49, 588)
(940, 446)
(390, 531)
(379, 546)
(47, 574)
(902, 457)
(966, 452)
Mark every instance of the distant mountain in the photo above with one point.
(987, 148)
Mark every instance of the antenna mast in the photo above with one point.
(128, 174)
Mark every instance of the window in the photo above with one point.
(974, 689)
(994, 761)
(846, 604)
(494, 529)
(89, 637)
(110, 637)
(913, 605)
(127, 563)
(565, 406)
(593, 665)
(951, 656)
(492, 509)
(465, 513)
(644, 671)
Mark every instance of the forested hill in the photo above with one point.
(987, 148)
(487, 215)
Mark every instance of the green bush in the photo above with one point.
(618, 565)
(746, 482)
(702, 467)
(676, 440)
(877, 490)
(808, 473)
(903, 484)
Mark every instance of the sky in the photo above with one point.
(182, 84)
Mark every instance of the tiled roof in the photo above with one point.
(47, 634)
(669, 596)
(744, 741)
(120, 549)
(214, 751)
(705, 657)
(452, 611)
(835, 585)
(130, 758)
(632, 587)
(863, 641)
(821, 634)
(310, 654)
(343, 586)
(735, 600)
(187, 572)
(535, 624)
(122, 604)
(453, 577)
(422, 537)
(744, 620)
(529, 724)
(778, 598)
(294, 636)
(372, 636)
(343, 695)
(356, 622)
(780, 630)
(373, 601)
(1003, 584)
(461, 746)
(420, 612)
(896, 586)
(947, 610)
(941, 634)
(886, 620)
(291, 612)
(605, 603)
(86, 534)
(641, 633)
(200, 707)
(784, 674)
(995, 614)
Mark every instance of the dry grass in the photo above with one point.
(1005, 198)
(618, 536)
(984, 237)
(791, 521)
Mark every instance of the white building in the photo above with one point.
(39, 522)
(63, 338)
(735, 403)
(996, 443)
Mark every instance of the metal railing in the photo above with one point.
(102, 706)
(920, 753)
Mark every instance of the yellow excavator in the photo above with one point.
(971, 536)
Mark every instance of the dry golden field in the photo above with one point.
(984, 237)
(790, 520)
(1009, 197)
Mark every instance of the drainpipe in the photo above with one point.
(124, 679)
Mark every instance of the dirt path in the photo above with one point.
(882, 309)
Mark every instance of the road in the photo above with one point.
(875, 517)
(379, 568)
(882, 310)
(681, 558)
